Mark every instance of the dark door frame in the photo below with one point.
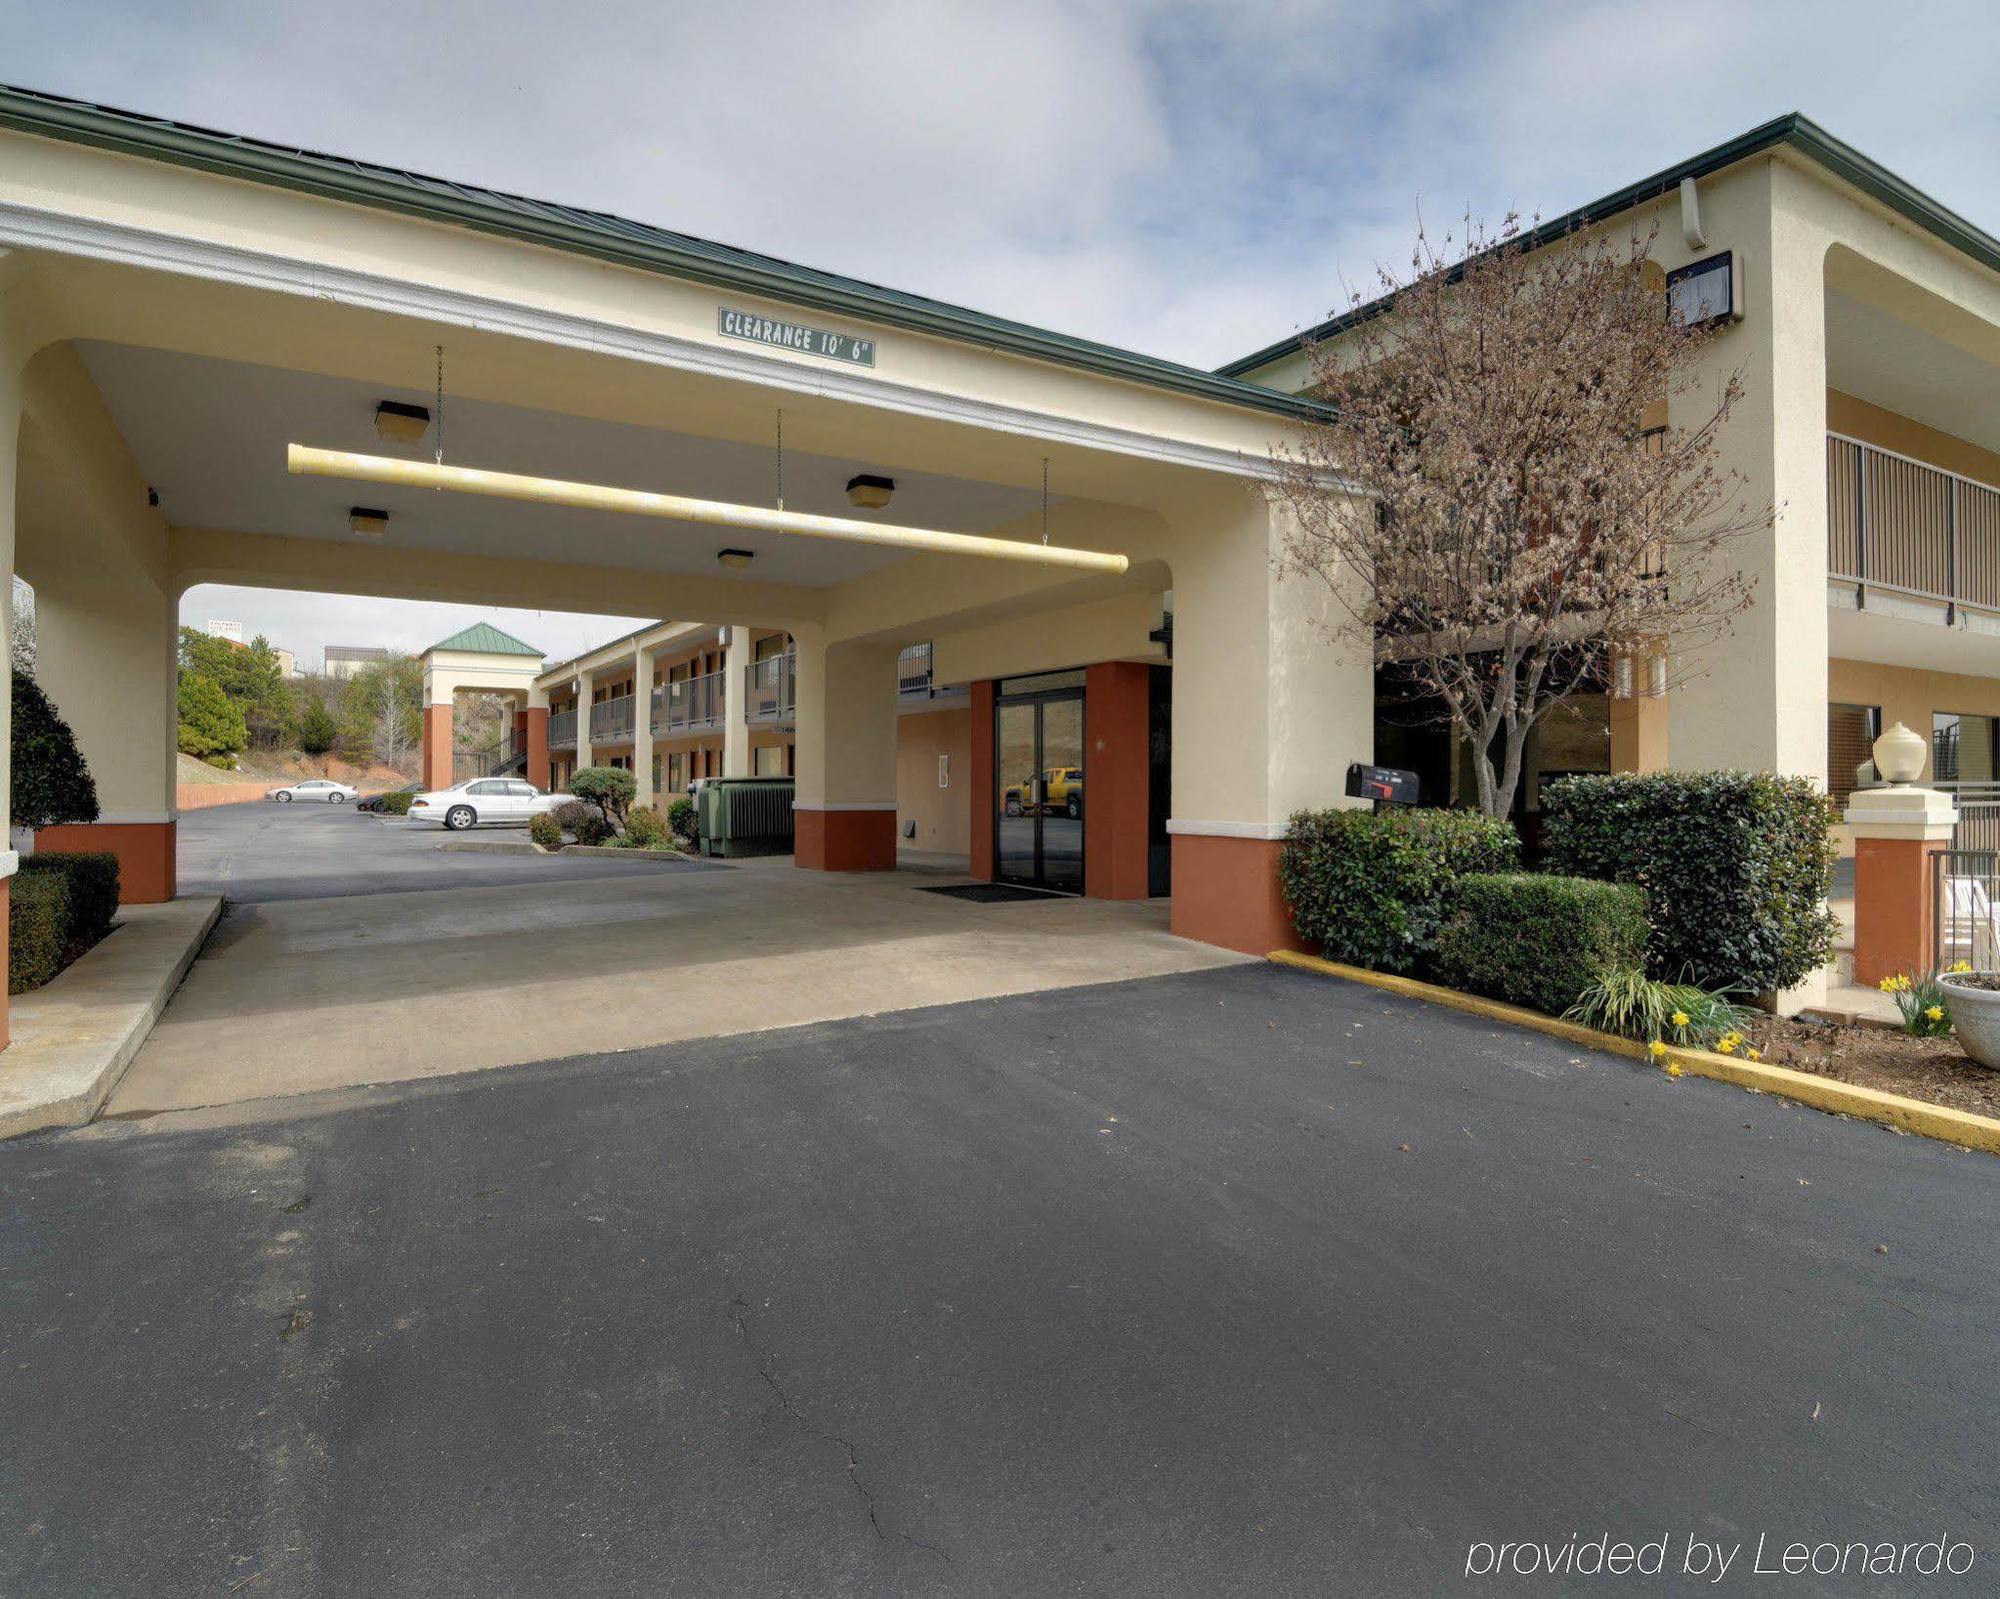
(1037, 698)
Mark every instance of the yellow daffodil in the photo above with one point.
(1961, 966)
(1935, 1013)
(1727, 1044)
(1656, 1049)
(1673, 1068)
(1680, 1018)
(1753, 1054)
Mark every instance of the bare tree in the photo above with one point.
(1522, 527)
(382, 711)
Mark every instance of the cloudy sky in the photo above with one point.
(1193, 178)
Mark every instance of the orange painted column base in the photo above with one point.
(145, 851)
(1893, 926)
(1226, 892)
(535, 740)
(437, 746)
(1117, 700)
(844, 841)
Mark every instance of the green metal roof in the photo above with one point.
(604, 236)
(483, 638)
(1794, 129)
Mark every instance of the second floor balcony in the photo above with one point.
(690, 705)
(1900, 527)
(562, 729)
(770, 696)
(611, 721)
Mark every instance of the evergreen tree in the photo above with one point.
(210, 724)
(318, 733)
(51, 781)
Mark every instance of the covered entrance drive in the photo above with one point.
(181, 310)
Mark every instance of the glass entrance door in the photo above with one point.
(1038, 764)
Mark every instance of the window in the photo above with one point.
(1851, 731)
(775, 644)
(522, 790)
(676, 773)
(486, 788)
(656, 774)
(770, 760)
(1962, 748)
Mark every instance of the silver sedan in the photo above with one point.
(324, 789)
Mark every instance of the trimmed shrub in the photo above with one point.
(1371, 889)
(397, 803)
(685, 822)
(1538, 941)
(611, 789)
(545, 830)
(93, 888)
(1736, 867)
(51, 781)
(645, 830)
(39, 929)
(584, 823)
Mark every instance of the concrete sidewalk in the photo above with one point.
(72, 1040)
(296, 995)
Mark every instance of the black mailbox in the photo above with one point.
(1383, 783)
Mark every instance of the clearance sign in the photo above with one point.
(795, 336)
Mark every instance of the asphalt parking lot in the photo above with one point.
(1233, 1282)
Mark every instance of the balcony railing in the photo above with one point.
(913, 669)
(611, 721)
(690, 705)
(1896, 524)
(562, 730)
(771, 689)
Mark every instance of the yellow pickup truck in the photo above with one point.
(1062, 790)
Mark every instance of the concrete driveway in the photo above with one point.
(1236, 1283)
(356, 951)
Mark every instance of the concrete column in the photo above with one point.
(1639, 719)
(10, 434)
(1897, 831)
(1759, 699)
(642, 725)
(1272, 700)
(736, 705)
(107, 656)
(585, 682)
(437, 746)
(1117, 767)
(844, 813)
(535, 738)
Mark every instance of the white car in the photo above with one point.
(484, 802)
(314, 788)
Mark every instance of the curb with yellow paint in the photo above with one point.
(1961, 1127)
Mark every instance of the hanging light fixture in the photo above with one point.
(869, 492)
(366, 522)
(305, 460)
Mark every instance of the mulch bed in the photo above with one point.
(1931, 1069)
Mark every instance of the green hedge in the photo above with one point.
(93, 888)
(545, 830)
(397, 802)
(1735, 865)
(39, 924)
(1371, 889)
(645, 830)
(1536, 940)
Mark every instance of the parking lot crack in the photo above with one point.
(739, 1314)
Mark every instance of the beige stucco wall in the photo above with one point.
(943, 814)
(1891, 430)
(1909, 696)
(106, 605)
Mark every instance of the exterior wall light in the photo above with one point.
(736, 560)
(870, 493)
(401, 424)
(367, 522)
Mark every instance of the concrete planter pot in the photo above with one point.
(1975, 1016)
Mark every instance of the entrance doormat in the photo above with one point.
(993, 893)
